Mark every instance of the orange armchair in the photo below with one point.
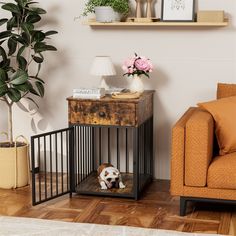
(198, 173)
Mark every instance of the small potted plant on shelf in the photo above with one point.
(107, 10)
(21, 47)
(136, 67)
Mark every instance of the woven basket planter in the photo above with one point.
(14, 165)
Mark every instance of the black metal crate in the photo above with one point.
(66, 161)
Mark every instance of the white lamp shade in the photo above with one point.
(102, 66)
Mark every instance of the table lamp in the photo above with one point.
(103, 66)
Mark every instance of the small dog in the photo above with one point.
(109, 177)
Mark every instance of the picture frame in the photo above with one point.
(178, 10)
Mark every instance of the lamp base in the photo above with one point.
(103, 84)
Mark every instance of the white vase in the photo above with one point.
(137, 84)
(106, 14)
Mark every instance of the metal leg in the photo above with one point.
(183, 206)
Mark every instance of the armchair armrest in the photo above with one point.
(178, 154)
(198, 147)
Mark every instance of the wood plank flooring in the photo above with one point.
(156, 209)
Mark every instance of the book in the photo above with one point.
(93, 91)
(87, 96)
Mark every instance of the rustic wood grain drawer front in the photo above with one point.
(102, 113)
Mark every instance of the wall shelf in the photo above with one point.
(159, 24)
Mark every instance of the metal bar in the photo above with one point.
(145, 148)
(50, 150)
(39, 175)
(93, 148)
(109, 145)
(71, 155)
(33, 171)
(84, 156)
(136, 163)
(56, 163)
(62, 170)
(81, 153)
(100, 146)
(151, 147)
(127, 150)
(45, 166)
(67, 161)
(86, 151)
(118, 148)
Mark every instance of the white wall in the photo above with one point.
(188, 64)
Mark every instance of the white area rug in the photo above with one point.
(36, 227)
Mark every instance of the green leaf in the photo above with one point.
(14, 94)
(34, 77)
(20, 51)
(26, 38)
(12, 44)
(11, 7)
(20, 77)
(21, 40)
(50, 48)
(3, 75)
(22, 63)
(5, 34)
(11, 23)
(33, 18)
(37, 10)
(33, 91)
(40, 88)
(27, 27)
(3, 21)
(24, 87)
(38, 36)
(37, 59)
(21, 2)
(5, 64)
(41, 47)
(3, 88)
(33, 101)
(3, 54)
(51, 32)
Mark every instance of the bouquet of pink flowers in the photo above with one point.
(137, 65)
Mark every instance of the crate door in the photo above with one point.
(52, 157)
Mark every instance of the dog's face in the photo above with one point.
(111, 177)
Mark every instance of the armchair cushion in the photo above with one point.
(198, 147)
(222, 172)
(224, 113)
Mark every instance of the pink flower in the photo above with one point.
(143, 64)
(129, 62)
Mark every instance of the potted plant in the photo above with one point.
(21, 47)
(107, 10)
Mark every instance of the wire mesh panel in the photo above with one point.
(51, 163)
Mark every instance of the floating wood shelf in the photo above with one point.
(160, 24)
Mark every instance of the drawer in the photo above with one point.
(102, 113)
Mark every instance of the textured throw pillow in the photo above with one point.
(226, 90)
(224, 113)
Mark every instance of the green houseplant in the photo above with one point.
(106, 10)
(21, 48)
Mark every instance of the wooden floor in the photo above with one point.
(156, 209)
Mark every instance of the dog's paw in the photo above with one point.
(103, 186)
(121, 185)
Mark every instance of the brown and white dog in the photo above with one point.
(109, 177)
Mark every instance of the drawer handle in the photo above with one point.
(102, 114)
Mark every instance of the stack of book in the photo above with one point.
(89, 93)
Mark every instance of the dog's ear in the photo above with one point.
(106, 173)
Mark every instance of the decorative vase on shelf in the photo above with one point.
(137, 84)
